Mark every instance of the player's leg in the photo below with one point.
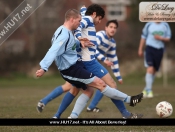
(85, 77)
(153, 59)
(101, 72)
(81, 102)
(55, 93)
(114, 93)
(118, 103)
(66, 101)
(106, 77)
(149, 76)
(75, 75)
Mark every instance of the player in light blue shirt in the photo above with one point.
(60, 44)
(154, 36)
(89, 60)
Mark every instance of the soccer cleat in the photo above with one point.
(93, 110)
(134, 116)
(136, 99)
(144, 93)
(40, 106)
(54, 117)
(150, 94)
(69, 117)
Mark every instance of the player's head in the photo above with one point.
(111, 27)
(74, 17)
(96, 12)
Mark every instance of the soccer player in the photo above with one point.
(106, 44)
(106, 52)
(87, 29)
(154, 35)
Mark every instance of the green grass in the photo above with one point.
(19, 96)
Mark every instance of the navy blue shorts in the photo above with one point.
(153, 57)
(77, 75)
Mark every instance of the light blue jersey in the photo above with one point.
(63, 50)
(151, 29)
(107, 46)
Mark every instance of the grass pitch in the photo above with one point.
(19, 96)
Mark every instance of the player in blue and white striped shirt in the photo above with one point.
(106, 52)
(154, 35)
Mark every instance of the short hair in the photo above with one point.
(95, 8)
(71, 13)
(112, 21)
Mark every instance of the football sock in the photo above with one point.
(120, 105)
(55, 93)
(149, 78)
(97, 97)
(67, 99)
(79, 105)
(116, 94)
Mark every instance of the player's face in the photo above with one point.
(76, 22)
(97, 20)
(111, 29)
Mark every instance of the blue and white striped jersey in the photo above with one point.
(87, 29)
(63, 50)
(106, 49)
(151, 29)
(105, 46)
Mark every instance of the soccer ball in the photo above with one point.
(164, 109)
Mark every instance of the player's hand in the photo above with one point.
(158, 37)
(140, 53)
(40, 72)
(120, 81)
(85, 42)
(108, 63)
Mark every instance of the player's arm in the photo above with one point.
(112, 56)
(101, 57)
(143, 39)
(167, 36)
(141, 45)
(84, 41)
(56, 49)
(83, 10)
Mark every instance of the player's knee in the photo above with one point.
(66, 87)
(74, 91)
(89, 92)
(114, 84)
(100, 83)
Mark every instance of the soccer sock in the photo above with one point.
(149, 78)
(55, 93)
(79, 105)
(116, 94)
(67, 99)
(97, 97)
(120, 105)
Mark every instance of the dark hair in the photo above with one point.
(95, 8)
(112, 21)
(71, 13)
